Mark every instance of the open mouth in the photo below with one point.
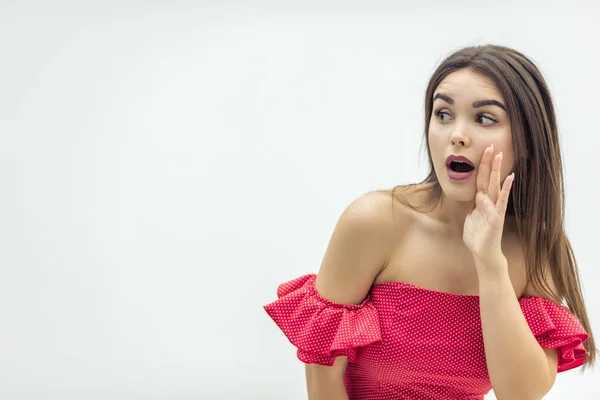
(459, 166)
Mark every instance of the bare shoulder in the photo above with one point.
(372, 210)
(399, 198)
(358, 250)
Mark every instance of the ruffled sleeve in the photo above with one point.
(554, 326)
(320, 329)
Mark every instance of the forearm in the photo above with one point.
(517, 365)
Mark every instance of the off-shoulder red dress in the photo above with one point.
(411, 343)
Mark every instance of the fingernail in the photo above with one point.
(492, 147)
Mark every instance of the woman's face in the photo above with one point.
(468, 116)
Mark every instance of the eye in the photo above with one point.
(481, 117)
(437, 113)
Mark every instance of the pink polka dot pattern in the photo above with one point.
(408, 342)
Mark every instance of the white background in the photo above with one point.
(166, 164)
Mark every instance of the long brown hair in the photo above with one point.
(537, 197)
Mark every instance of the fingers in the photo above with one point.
(494, 188)
(502, 202)
(483, 173)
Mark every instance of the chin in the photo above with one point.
(457, 190)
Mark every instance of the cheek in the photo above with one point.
(438, 148)
(507, 165)
(508, 156)
(435, 140)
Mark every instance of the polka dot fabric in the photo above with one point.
(407, 342)
(555, 327)
(321, 329)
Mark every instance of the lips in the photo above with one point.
(464, 159)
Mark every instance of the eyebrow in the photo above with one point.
(476, 104)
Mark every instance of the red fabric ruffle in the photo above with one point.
(554, 326)
(320, 329)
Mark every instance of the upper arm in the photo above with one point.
(356, 253)
(357, 250)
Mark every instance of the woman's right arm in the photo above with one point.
(356, 254)
(324, 382)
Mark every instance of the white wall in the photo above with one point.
(166, 164)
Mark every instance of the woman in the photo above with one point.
(453, 286)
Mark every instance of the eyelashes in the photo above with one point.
(437, 113)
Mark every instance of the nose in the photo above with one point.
(459, 137)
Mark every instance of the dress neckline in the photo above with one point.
(423, 289)
(438, 292)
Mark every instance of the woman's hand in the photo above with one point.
(483, 227)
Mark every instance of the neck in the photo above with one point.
(452, 213)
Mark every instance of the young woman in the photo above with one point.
(453, 286)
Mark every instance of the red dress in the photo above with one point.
(411, 343)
